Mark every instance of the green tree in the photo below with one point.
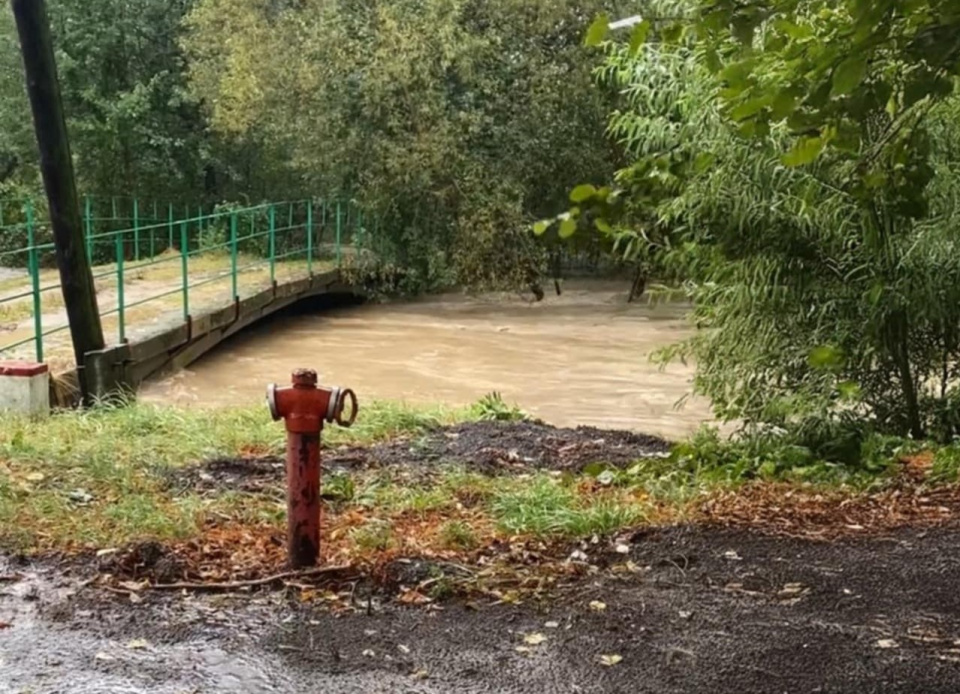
(133, 128)
(787, 175)
(449, 120)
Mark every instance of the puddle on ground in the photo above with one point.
(579, 359)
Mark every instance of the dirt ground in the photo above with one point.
(767, 605)
(706, 610)
(492, 448)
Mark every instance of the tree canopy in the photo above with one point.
(794, 163)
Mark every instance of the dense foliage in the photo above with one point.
(454, 122)
(796, 164)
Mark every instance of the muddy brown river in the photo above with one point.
(579, 359)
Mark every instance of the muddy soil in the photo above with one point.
(695, 610)
(497, 447)
(485, 447)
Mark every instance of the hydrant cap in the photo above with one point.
(305, 377)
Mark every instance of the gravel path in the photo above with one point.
(705, 611)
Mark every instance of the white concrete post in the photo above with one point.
(24, 388)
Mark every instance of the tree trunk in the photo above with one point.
(639, 286)
(899, 334)
(56, 164)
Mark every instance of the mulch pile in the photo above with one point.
(485, 447)
(498, 447)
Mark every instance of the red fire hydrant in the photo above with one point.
(304, 407)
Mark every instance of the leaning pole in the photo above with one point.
(56, 165)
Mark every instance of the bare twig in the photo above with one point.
(232, 585)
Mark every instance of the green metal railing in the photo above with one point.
(148, 254)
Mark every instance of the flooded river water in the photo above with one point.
(581, 358)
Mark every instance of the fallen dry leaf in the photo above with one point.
(610, 660)
(887, 643)
(534, 639)
(138, 644)
(134, 586)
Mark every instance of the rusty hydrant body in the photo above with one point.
(305, 407)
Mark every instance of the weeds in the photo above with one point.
(546, 507)
(114, 459)
(492, 408)
(458, 535)
(375, 535)
(98, 479)
(946, 465)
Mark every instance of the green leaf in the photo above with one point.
(805, 151)
(595, 469)
(597, 31)
(567, 228)
(583, 193)
(749, 108)
(603, 226)
(541, 227)
(826, 358)
(703, 162)
(638, 37)
(672, 34)
(737, 75)
(848, 390)
(784, 104)
(848, 75)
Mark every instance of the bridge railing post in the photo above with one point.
(170, 226)
(310, 237)
(136, 229)
(33, 261)
(153, 232)
(233, 254)
(184, 267)
(273, 244)
(121, 309)
(339, 232)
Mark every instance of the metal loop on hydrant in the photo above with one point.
(354, 408)
(272, 402)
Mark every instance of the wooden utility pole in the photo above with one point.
(56, 164)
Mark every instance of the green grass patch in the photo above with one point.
(546, 506)
(97, 477)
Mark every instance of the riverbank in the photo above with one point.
(464, 550)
